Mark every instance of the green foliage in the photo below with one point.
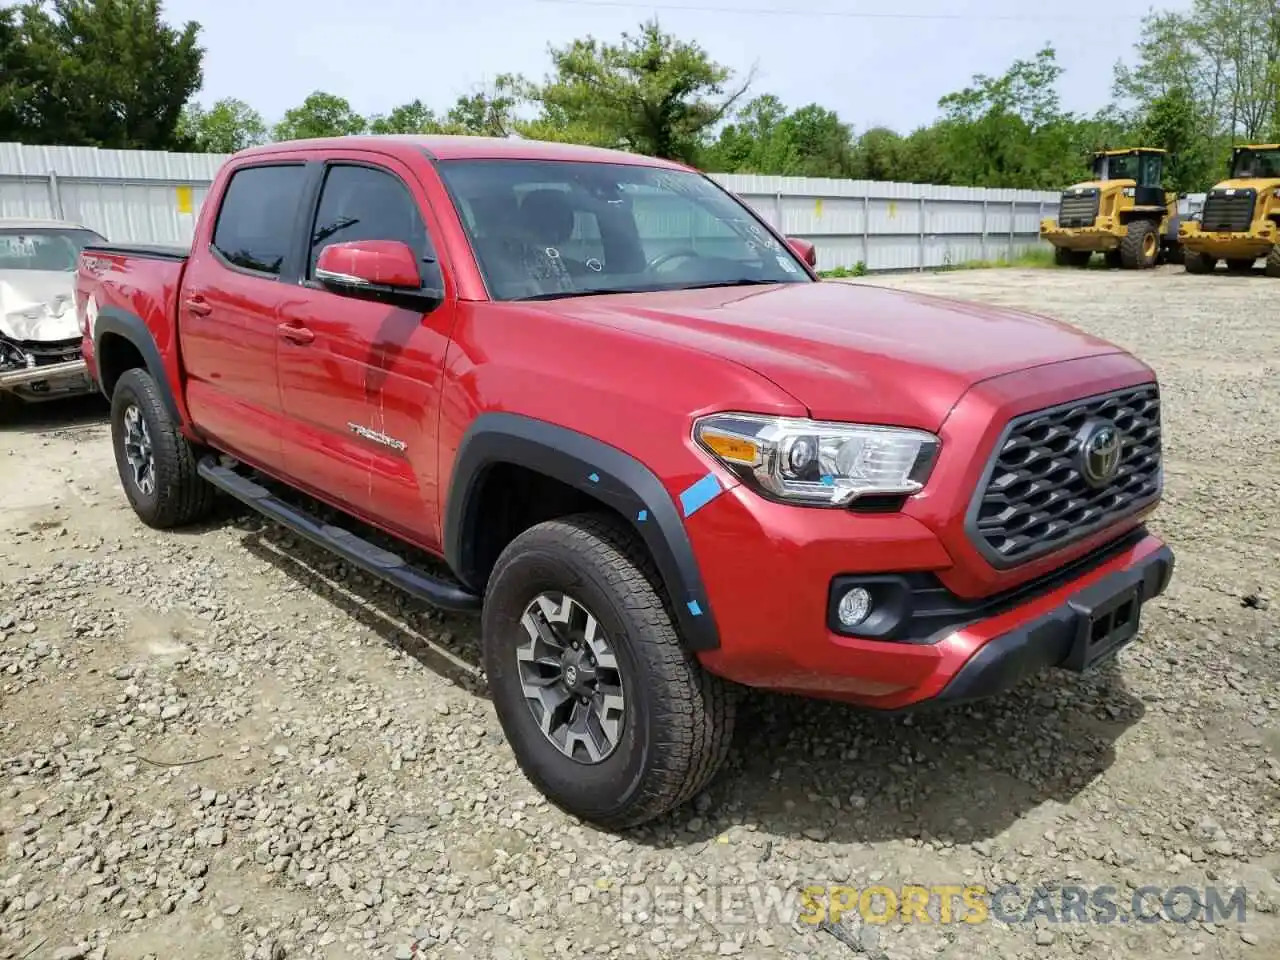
(412, 118)
(105, 73)
(649, 93)
(320, 115)
(226, 127)
(859, 269)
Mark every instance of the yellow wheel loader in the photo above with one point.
(1240, 221)
(1124, 213)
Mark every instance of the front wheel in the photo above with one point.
(607, 712)
(156, 463)
(1273, 261)
(1199, 262)
(1140, 246)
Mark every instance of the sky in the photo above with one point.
(874, 63)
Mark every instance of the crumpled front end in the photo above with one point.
(40, 343)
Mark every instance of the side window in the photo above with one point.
(255, 223)
(361, 203)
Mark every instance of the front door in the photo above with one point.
(234, 282)
(360, 380)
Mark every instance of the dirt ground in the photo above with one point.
(220, 743)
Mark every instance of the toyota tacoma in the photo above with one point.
(621, 417)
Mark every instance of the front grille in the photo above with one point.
(1078, 209)
(46, 353)
(1034, 497)
(1228, 213)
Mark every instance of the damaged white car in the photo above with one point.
(39, 336)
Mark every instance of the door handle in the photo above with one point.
(295, 333)
(198, 306)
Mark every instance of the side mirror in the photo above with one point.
(804, 250)
(377, 269)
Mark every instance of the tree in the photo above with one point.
(415, 117)
(320, 115)
(107, 73)
(490, 110)
(649, 93)
(1172, 123)
(226, 127)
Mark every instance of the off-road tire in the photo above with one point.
(1063, 257)
(180, 495)
(1273, 262)
(1140, 246)
(1199, 263)
(1113, 259)
(679, 719)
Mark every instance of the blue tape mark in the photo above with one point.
(594, 478)
(829, 480)
(642, 516)
(694, 608)
(700, 494)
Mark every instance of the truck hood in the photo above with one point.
(38, 305)
(848, 351)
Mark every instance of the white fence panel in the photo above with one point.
(142, 196)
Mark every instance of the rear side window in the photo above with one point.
(363, 203)
(256, 221)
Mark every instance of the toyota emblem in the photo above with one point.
(1099, 449)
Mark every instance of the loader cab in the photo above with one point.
(1256, 162)
(1144, 166)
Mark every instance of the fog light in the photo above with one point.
(854, 607)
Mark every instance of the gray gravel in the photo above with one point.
(221, 743)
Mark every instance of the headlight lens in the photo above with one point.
(818, 463)
(1129, 192)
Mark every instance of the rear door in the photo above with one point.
(244, 265)
(360, 380)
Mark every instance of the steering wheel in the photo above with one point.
(684, 252)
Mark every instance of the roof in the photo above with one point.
(35, 223)
(1124, 150)
(467, 148)
(1257, 146)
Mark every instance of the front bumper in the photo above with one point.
(1088, 628)
(1228, 246)
(51, 380)
(1098, 238)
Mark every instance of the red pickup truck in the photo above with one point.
(660, 456)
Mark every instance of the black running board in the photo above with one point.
(361, 553)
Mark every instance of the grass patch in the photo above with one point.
(859, 269)
(1037, 259)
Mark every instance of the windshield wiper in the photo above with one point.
(590, 292)
(742, 282)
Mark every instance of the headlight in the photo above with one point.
(1129, 192)
(811, 462)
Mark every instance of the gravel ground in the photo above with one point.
(221, 743)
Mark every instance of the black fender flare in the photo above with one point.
(130, 326)
(603, 472)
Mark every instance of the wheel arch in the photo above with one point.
(121, 341)
(597, 473)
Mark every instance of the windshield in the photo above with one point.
(1116, 168)
(53, 250)
(1256, 163)
(546, 228)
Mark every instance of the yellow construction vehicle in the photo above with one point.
(1240, 221)
(1124, 213)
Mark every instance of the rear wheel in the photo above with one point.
(1061, 257)
(1140, 246)
(1273, 261)
(156, 463)
(607, 712)
(1199, 262)
(1240, 265)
